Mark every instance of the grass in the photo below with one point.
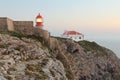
(89, 46)
(58, 38)
(12, 33)
(8, 77)
(68, 74)
(92, 46)
(4, 45)
(36, 75)
(17, 48)
(20, 35)
(33, 70)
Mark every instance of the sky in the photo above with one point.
(96, 19)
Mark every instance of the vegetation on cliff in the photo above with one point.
(25, 57)
(90, 61)
(20, 35)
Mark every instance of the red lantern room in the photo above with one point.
(39, 21)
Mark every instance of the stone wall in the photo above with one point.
(54, 43)
(43, 34)
(24, 27)
(27, 28)
(10, 25)
(23, 23)
(3, 24)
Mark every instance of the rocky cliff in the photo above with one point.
(89, 61)
(29, 58)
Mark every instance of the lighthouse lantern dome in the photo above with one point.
(39, 21)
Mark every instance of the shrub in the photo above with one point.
(8, 77)
(92, 46)
(59, 38)
(4, 45)
(20, 35)
(89, 46)
(35, 70)
(16, 34)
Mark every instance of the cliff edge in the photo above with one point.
(27, 57)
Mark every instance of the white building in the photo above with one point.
(76, 36)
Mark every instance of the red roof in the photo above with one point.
(71, 33)
(39, 16)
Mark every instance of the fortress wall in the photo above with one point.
(24, 27)
(42, 33)
(3, 24)
(10, 25)
(23, 23)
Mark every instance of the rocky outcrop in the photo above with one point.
(29, 58)
(89, 61)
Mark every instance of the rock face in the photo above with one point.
(89, 61)
(25, 58)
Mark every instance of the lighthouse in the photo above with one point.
(39, 21)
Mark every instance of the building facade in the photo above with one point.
(76, 36)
